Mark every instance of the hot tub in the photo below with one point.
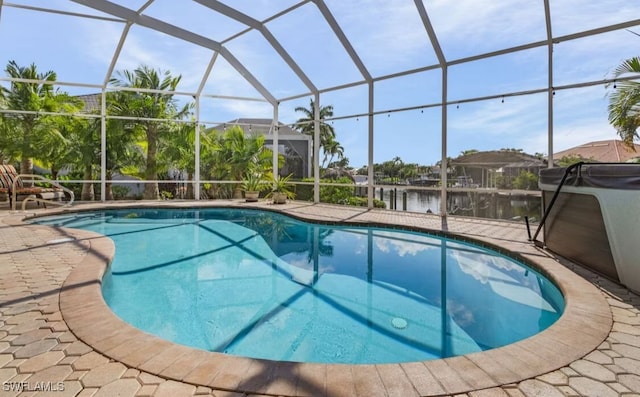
(595, 220)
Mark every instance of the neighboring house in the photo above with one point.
(294, 146)
(609, 151)
(430, 178)
(361, 179)
(482, 168)
(91, 102)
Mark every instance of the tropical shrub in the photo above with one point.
(526, 181)
(335, 194)
(362, 202)
(328, 194)
(229, 155)
(120, 192)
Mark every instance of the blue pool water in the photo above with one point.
(263, 285)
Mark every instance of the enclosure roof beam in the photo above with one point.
(424, 16)
(337, 30)
(60, 12)
(260, 27)
(172, 30)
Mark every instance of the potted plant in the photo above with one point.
(252, 185)
(281, 189)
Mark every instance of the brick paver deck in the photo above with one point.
(57, 333)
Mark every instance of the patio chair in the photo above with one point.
(10, 180)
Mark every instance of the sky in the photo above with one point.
(388, 37)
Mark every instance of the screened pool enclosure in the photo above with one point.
(141, 99)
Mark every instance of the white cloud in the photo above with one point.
(592, 58)
(165, 53)
(388, 36)
(402, 247)
(103, 38)
(581, 116)
(142, 47)
(572, 134)
(497, 118)
(571, 16)
(473, 26)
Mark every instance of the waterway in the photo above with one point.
(480, 203)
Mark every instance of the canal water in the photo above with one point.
(482, 204)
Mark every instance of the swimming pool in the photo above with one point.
(257, 284)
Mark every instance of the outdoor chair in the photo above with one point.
(9, 178)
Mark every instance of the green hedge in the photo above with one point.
(335, 194)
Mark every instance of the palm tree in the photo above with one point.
(306, 123)
(86, 143)
(180, 152)
(150, 105)
(3, 125)
(125, 151)
(343, 162)
(408, 171)
(332, 149)
(396, 166)
(624, 103)
(126, 143)
(21, 132)
(4, 156)
(234, 153)
(58, 146)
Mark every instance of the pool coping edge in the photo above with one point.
(584, 325)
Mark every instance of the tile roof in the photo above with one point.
(497, 159)
(262, 126)
(609, 151)
(91, 102)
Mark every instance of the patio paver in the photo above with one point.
(36, 344)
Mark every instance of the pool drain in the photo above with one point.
(399, 323)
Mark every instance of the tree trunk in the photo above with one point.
(108, 192)
(190, 187)
(237, 192)
(213, 191)
(151, 191)
(26, 167)
(87, 187)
